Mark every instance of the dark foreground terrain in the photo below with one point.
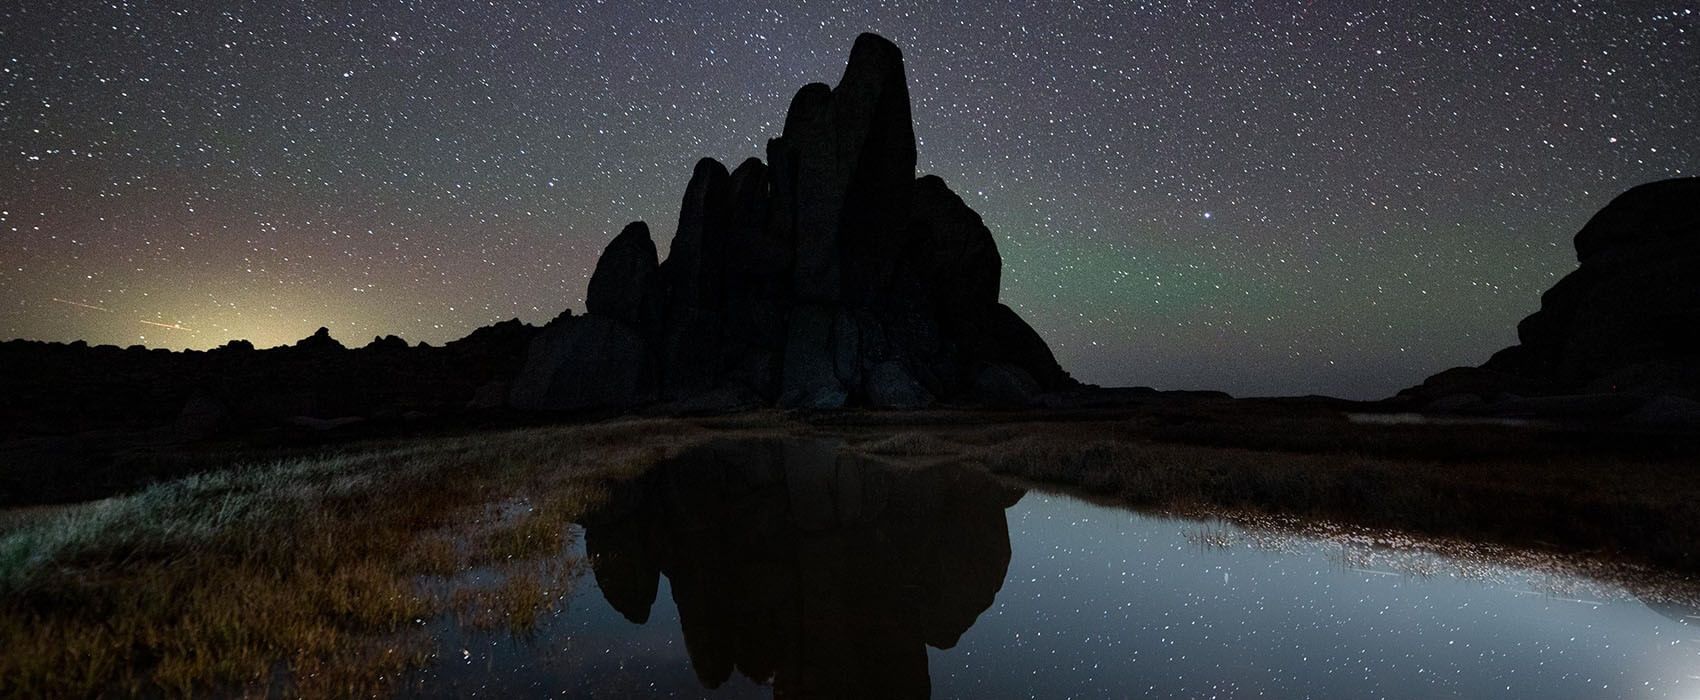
(338, 554)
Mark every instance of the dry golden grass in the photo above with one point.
(1621, 507)
(302, 571)
(1621, 497)
(911, 444)
(307, 574)
(518, 600)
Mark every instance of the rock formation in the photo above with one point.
(1626, 321)
(827, 276)
(320, 340)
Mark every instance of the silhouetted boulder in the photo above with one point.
(625, 285)
(387, 343)
(320, 340)
(1645, 221)
(1627, 320)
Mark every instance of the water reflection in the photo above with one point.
(826, 574)
(787, 569)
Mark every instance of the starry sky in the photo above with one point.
(1286, 197)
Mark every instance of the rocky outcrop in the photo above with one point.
(828, 276)
(319, 341)
(388, 343)
(1626, 321)
(626, 284)
(583, 363)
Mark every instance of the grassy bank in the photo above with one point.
(310, 576)
(1630, 508)
(302, 575)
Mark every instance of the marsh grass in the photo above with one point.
(302, 573)
(317, 576)
(516, 598)
(911, 444)
(1639, 511)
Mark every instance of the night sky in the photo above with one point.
(1271, 197)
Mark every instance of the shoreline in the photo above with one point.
(336, 543)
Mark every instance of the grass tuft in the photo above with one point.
(911, 444)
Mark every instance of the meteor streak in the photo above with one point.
(172, 326)
(78, 303)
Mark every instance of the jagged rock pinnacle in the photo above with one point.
(825, 277)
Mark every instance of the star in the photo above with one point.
(1400, 175)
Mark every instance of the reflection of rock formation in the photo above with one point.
(824, 573)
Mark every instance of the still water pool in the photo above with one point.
(790, 569)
